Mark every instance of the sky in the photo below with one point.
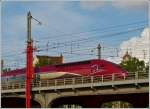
(73, 28)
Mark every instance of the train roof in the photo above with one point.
(84, 62)
(77, 62)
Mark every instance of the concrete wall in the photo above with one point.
(48, 99)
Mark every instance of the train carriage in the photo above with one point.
(94, 67)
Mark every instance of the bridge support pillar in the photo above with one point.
(40, 99)
(45, 99)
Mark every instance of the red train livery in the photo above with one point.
(94, 67)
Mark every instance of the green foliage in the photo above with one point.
(134, 65)
(147, 68)
(42, 62)
(6, 69)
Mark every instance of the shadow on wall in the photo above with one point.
(14, 102)
(97, 101)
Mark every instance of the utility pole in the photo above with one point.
(47, 47)
(99, 51)
(29, 59)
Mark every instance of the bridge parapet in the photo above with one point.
(79, 82)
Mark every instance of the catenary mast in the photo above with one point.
(29, 58)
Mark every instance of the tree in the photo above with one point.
(134, 65)
(147, 68)
(6, 69)
(42, 62)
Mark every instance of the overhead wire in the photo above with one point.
(87, 39)
(121, 25)
(105, 35)
(100, 29)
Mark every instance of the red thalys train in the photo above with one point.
(94, 67)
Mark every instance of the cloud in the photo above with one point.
(55, 18)
(53, 21)
(137, 46)
(122, 4)
(92, 5)
(116, 60)
(131, 4)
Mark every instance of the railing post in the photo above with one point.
(113, 77)
(47, 83)
(55, 82)
(136, 79)
(82, 79)
(64, 81)
(73, 81)
(7, 86)
(39, 83)
(136, 75)
(19, 85)
(91, 79)
(22, 85)
(102, 78)
(32, 84)
(12, 86)
(124, 77)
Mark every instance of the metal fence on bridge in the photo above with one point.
(77, 80)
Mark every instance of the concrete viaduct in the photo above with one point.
(87, 92)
